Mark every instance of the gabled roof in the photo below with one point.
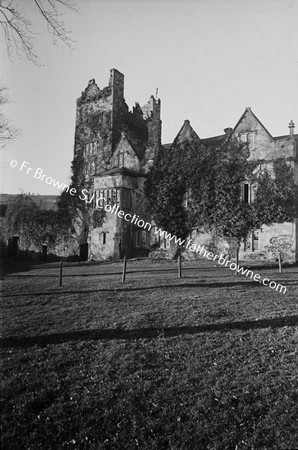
(249, 111)
(186, 134)
(138, 149)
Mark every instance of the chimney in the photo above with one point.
(291, 127)
(228, 131)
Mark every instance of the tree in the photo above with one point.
(229, 216)
(164, 189)
(7, 131)
(275, 196)
(17, 27)
(212, 179)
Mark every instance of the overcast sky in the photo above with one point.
(209, 59)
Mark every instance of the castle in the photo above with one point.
(113, 151)
(118, 146)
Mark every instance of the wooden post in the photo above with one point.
(124, 269)
(179, 264)
(279, 262)
(60, 280)
(237, 260)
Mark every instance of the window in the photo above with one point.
(114, 196)
(253, 188)
(141, 238)
(126, 196)
(104, 237)
(103, 197)
(255, 241)
(3, 209)
(245, 193)
(109, 196)
(144, 238)
(156, 237)
(248, 138)
(252, 242)
(117, 197)
(251, 140)
(90, 149)
(138, 238)
(247, 244)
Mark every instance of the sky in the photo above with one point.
(209, 59)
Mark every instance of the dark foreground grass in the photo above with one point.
(205, 362)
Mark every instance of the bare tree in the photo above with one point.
(7, 130)
(17, 27)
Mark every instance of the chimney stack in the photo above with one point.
(291, 127)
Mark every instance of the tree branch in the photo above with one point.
(17, 28)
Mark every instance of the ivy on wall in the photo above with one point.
(34, 226)
(213, 177)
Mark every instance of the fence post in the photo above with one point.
(279, 262)
(60, 280)
(179, 264)
(124, 269)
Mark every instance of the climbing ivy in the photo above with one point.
(213, 179)
(33, 225)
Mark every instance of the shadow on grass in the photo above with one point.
(9, 266)
(248, 284)
(101, 274)
(144, 333)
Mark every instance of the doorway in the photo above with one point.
(84, 252)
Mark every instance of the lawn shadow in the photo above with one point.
(248, 284)
(8, 266)
(145, 333)
(99, 274)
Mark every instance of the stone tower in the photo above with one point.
(102, 115)
(114, 148)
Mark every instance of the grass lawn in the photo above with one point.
(208, 361)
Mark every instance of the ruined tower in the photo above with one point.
(102, 115)
(114, 148)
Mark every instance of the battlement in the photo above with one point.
(93, 93)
